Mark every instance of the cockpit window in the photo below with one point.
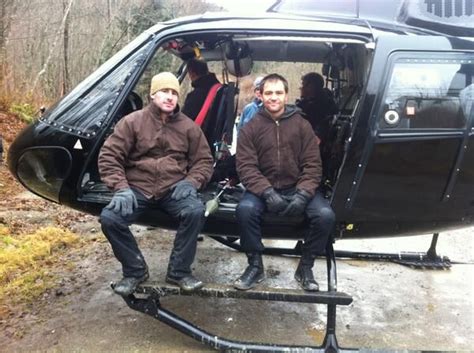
(428, 94)
(84, 114)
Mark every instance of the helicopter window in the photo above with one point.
(427, 94)
(85, 114)
(291, 56)
(162, 61)
(44, 169)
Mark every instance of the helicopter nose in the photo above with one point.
(39, 168)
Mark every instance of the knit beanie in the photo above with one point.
(164, 80)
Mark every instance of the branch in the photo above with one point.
(48, 59)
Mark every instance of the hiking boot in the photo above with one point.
(304, 276)
(253, 274)
(127, 285)
(188, 283)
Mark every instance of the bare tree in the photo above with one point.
(6, 12)
(51, 51)
(51, 45)
(65, 81)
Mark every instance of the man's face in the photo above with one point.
(257, 93)
(274, 98)
(304, 91)
(166, 100)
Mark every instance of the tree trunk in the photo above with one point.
(6, 8)
(66, 80)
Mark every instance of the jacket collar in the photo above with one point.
(155, 111)
(290, 110)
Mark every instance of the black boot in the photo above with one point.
(127, 285)
(304, 274)
(253, 274)
(187, 283)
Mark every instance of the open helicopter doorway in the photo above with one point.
(237, 60)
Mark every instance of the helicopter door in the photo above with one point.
(406, 168)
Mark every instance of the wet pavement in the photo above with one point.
(395, 307)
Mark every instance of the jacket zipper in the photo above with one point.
(157, 183)
(278, 148)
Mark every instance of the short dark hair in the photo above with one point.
(198, 67)
(314, 80)
(274, 77)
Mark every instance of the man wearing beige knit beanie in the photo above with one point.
(156, 158)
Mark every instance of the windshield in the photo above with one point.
(83, 110)
(73, 99)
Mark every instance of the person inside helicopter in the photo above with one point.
(202, 81)
(279, 133)
(317, 104)
(250, 109)
(155, 158)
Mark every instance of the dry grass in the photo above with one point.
(25, 259)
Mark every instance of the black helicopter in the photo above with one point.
(400, 154)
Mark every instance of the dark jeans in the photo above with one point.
(189, 211)
(318, 211)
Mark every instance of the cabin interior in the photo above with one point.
(237, 59)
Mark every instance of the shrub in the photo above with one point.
(24, 110)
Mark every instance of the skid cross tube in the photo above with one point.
(429, 259)
(147, 300)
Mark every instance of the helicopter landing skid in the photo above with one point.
(146, 299)
(421, 260)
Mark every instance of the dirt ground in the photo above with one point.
(395, 307)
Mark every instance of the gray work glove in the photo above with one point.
(183, 189)
(298, 203)
(123, 201)
(275, 203)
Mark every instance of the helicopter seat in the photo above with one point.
(218, 128)
(219, 121)
(335, 149)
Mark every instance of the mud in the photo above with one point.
(394, 307)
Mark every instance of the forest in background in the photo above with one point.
(49, 46)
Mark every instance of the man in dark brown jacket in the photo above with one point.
(156, 157)
(279, 164)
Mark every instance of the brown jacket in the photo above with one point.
(279, 154)
(152, 156)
